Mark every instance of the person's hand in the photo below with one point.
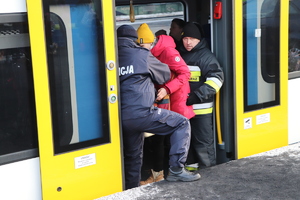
(162, 92)
(192, 99)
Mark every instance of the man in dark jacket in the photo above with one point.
(206, 80)
(138, 71)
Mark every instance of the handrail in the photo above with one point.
(131, 9)
(219, 133)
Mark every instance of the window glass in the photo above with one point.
(268, 11)
(157, 15)
(76, 65)
(261, 54)
(294, 39)
(18, 129)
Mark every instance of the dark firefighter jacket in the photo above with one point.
(206, 77)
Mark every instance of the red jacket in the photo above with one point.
(178, 87)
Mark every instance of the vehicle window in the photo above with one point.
(156, 15)
(261, 54)
(18, 128)
(77, 74)
(294, 39)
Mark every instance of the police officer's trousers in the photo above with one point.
(160, 122)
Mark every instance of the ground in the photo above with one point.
(271, 175)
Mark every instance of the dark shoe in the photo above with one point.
(183, 175)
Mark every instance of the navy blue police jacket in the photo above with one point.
(138, 71)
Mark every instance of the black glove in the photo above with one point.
(192, 99)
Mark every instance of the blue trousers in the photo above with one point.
(161, 122)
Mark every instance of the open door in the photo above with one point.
(260, 75)
(75, 80)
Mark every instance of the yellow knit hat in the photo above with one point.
(145, 35)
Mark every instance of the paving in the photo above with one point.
(272, 175)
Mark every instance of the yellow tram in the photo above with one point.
(60, 135)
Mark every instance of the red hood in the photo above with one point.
(164, 41)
